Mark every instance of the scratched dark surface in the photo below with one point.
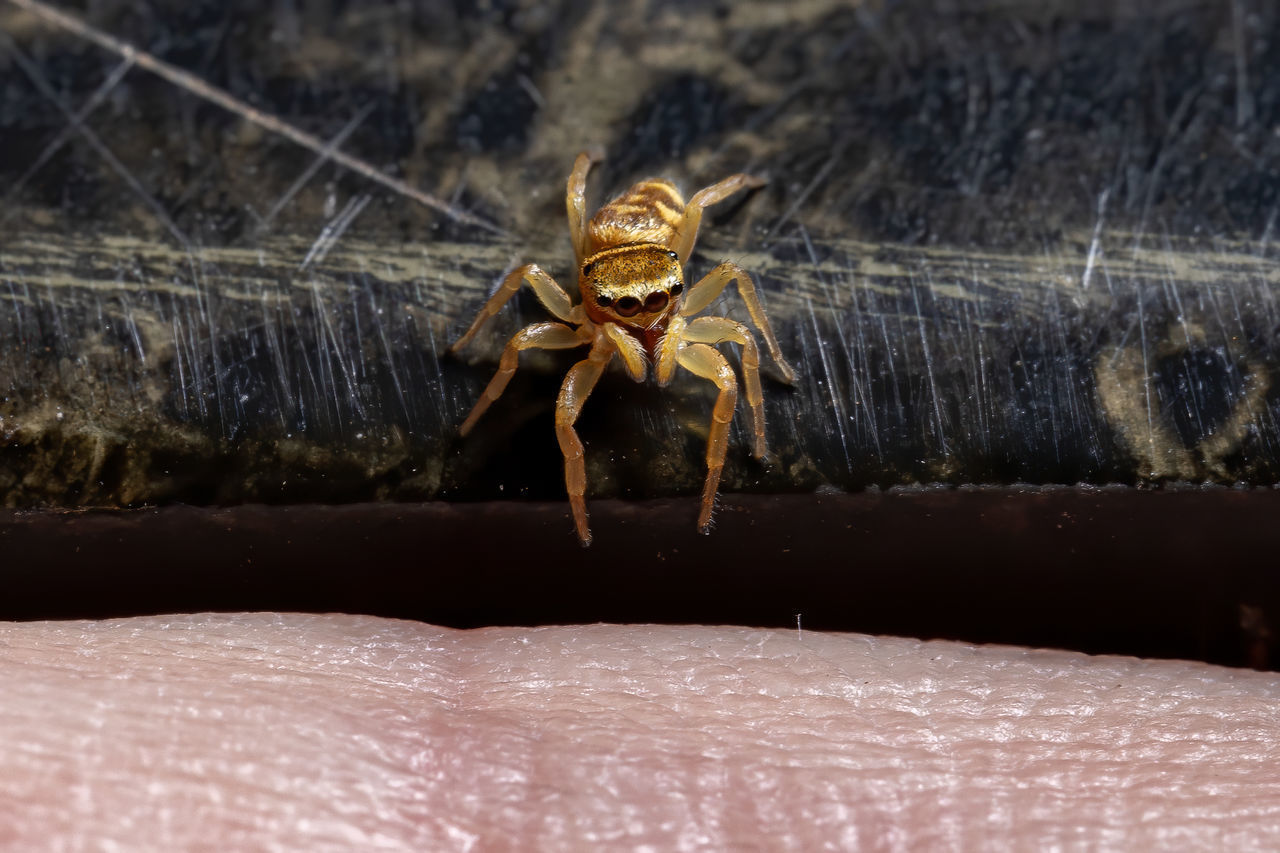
(1020, 252)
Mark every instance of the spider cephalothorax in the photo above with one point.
(635, 306)
(636, 285)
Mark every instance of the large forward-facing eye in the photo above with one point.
(627, 306)
(656, 301)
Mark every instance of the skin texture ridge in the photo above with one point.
(256, 731)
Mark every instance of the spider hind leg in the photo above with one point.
(578, 384)
(704, 361)
(537, 336)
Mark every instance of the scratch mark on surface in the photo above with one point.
(333, 231)
(42, 84)
(1095, 244)
(179, 364)
(443, 410)
(983, 390)
(92, 103)
(813, 184)
(1244, 97)
(226, 100)
(389, 352)
(861, 379)
(1170, 285)
(1267, 230)
(929, 372)
(837, 410)
(1162, 158)
(531, 90)
(275, 346)
(205, 302)
(325, 156)
(1146, 381)
(861, 399)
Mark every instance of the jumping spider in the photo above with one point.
(635, 306)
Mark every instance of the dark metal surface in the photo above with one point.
(1004, 243)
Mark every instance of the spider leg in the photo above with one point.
(539, 336)
(687, 233)
(667, 354)
(703, 361)
(575, 199)
(630, 350)
(549, 293)
(579, 382)
(713, 284)
(718, 330)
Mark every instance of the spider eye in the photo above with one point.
(656, 301)
(677, 289)
(604, 301)
(627, 306)
(673, 255)
(586, 270)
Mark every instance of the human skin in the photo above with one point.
(256, 731)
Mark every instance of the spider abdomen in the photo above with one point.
(650, 212)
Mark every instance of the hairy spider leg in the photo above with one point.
(575, 199)
(718, 330)
(713, 284)
(706, 362)
(687, 232)
(549, 293)
(630, 350)
(537, 336)
(579, 382)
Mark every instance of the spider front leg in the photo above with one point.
(549, 293)
(688, 230)
(575, 199)
(540, 336)
(577, 386)
(703, 361)
(718, 330)
(713, 284)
